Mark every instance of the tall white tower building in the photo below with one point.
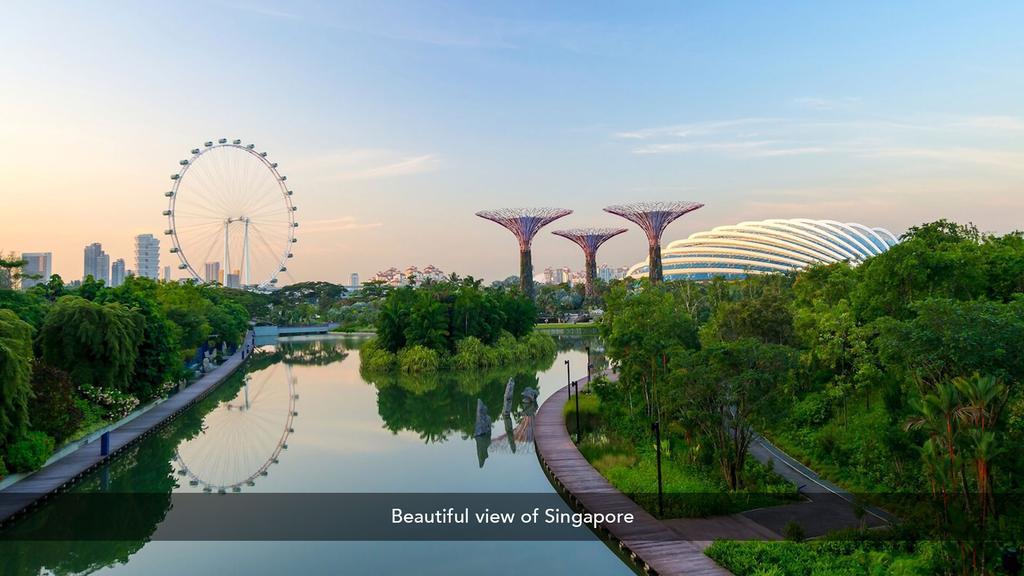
(147, 256)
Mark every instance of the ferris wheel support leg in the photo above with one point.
(227, 253)
(245, 253)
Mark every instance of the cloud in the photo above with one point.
(693, 129)
(335, 225)
(987, 157)
(1000, 123)
(367, 164)
(816, 103)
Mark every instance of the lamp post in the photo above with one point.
(589, 366)
(656, 427)
(577, 385)
(568, 380)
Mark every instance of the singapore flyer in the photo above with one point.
(230, 216)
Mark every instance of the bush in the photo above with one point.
(30, 452)
(3, 468)
(375, 358)
(53, 409)
(415, 359)
(794, 532)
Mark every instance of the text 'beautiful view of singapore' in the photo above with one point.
(446, 288)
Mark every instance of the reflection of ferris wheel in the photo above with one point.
(230, 217)
(241, 439)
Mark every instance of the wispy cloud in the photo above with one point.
(367, 164)
(336, 224)
(818, 103)
(977, 140)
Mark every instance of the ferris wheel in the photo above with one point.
(230, 216)
(242, 438)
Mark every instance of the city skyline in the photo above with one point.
(851, 112)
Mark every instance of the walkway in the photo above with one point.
(25, 494)
(652, 545)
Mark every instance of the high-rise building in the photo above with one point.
(36, 264)
(212, 272)
(147, 256)
(167, 273)
(354, 280)
(117, 273)
(96, 263)
(234, 279)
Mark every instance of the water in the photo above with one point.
(344, 435)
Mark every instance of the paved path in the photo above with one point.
(25, 494)
(650, 543)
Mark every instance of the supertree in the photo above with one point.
(590, 239)
(524, 223)
(653, 218)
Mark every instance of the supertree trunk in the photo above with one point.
(591, 274)
(654, 273)
(526, 273)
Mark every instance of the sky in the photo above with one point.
(396, 121)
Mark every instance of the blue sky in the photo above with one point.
(396, 121)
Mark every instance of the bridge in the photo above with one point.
(267, 334)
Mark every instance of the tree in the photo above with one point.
(765, 317)
(158, 349)
(642, 330)
(10, 271)
(53, 408)
(726, 390)
(15, 372)
(97, 344)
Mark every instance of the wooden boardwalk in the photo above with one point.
(651, 544)
(25, 494)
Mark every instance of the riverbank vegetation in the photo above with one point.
(73, 359)
(901, 376)
(455, 324)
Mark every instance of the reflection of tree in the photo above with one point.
(313, 352)
(131, 493)
(436, 405)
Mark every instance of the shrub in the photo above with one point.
(793, 531)
(375, 358)
(30, 452)
(53, 409)
(116, 403)
(418, 358)
(3, 468)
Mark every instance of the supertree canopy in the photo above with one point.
(590, 239)
(653, 218)
(524, 223)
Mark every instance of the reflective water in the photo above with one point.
(303, 419)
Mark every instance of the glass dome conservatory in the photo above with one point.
(768, 246)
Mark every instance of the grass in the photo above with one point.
(824, 558)
(690, 490)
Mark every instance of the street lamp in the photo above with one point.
(577, 385)
(589, 365)
(656, 427)
(568, 380)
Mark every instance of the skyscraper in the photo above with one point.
(117, 272)
(234, 279)
(354, 280)
(36, 264)
(147, 256)
(96, 263)
(167, 273)
(212, 272)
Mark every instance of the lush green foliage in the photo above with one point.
(470, 354)
(824, 558)
(96, 344)
(903, 374)
(54, 407)
(99, 352)
(30, 452)
(15, 373)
